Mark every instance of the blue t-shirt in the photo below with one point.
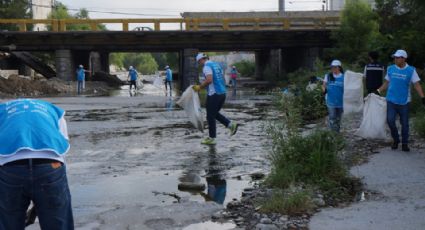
(335, 91)
(80, 74)
(133, 75)
(168, 75)
(399, 86)
(29, 124)
(218, 86)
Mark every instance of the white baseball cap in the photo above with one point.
(167, 67)
(400, 53)
(336, 63)
(200, 56)
(81, 66)
(131, 67)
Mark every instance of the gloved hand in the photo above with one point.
(423, 101)
(376, 92)
(196, 88)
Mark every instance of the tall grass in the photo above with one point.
(307, 159)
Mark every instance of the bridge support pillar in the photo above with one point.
(99, 61)
(300, 57)
(268, 64)
(64, 65)
(188, 68)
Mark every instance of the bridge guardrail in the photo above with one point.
(189, 24)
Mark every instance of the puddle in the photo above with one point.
(209, 225)
(129, 154)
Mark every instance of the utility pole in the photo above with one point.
(281, 6)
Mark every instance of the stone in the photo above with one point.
(217, 215)
(265, 227)
(284, 218)
(319, 202)
(257, 175)
(266, 221)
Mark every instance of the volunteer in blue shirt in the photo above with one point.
(34, 141)
(132, 76)
(398, 80)
(215, 85)
(81, 77)
(168, 79)
(333, 87)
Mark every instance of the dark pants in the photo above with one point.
(79, 86)
(214, 104)
(133, 82)
(334, 120)
(46, 186)
(168, 83)
(403, 112)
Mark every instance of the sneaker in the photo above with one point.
(405, 148)
(208, 141)
(394, 145)
(233, 128)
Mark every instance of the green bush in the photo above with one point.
(245, 68)
(308, 159)
(419, 123)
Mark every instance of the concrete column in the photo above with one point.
(300, 57)
(268, 64)
(188, 74)
(261, 61)
(104, 61)
(64, 65)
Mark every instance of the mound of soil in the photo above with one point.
(16, 86)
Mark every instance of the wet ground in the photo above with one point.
(129, 152)
(397, 180)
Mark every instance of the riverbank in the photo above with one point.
(20, 86)
(247, 213)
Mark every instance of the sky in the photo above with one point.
(173, 8)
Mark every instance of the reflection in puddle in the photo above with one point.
(215, 178)
(209, 225)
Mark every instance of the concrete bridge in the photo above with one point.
(281, 44)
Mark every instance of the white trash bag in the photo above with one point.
(190, 102)
(157, 82)
(139, 84)
(374, 122)
(353, 92)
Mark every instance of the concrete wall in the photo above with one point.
(41, 10)
(232, 58)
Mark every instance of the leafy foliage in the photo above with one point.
(358, 33)
(245, 68)
(142, 62)
(13, 9)
(60, 11)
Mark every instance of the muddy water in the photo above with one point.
(130, 151)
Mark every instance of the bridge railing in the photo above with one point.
(188, 24)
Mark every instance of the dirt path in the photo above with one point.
(399, 178)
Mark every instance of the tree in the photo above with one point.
(402, 25)
(13, 9)
(61, 12)
(143, 62)
(164, 59)
(358, 33)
